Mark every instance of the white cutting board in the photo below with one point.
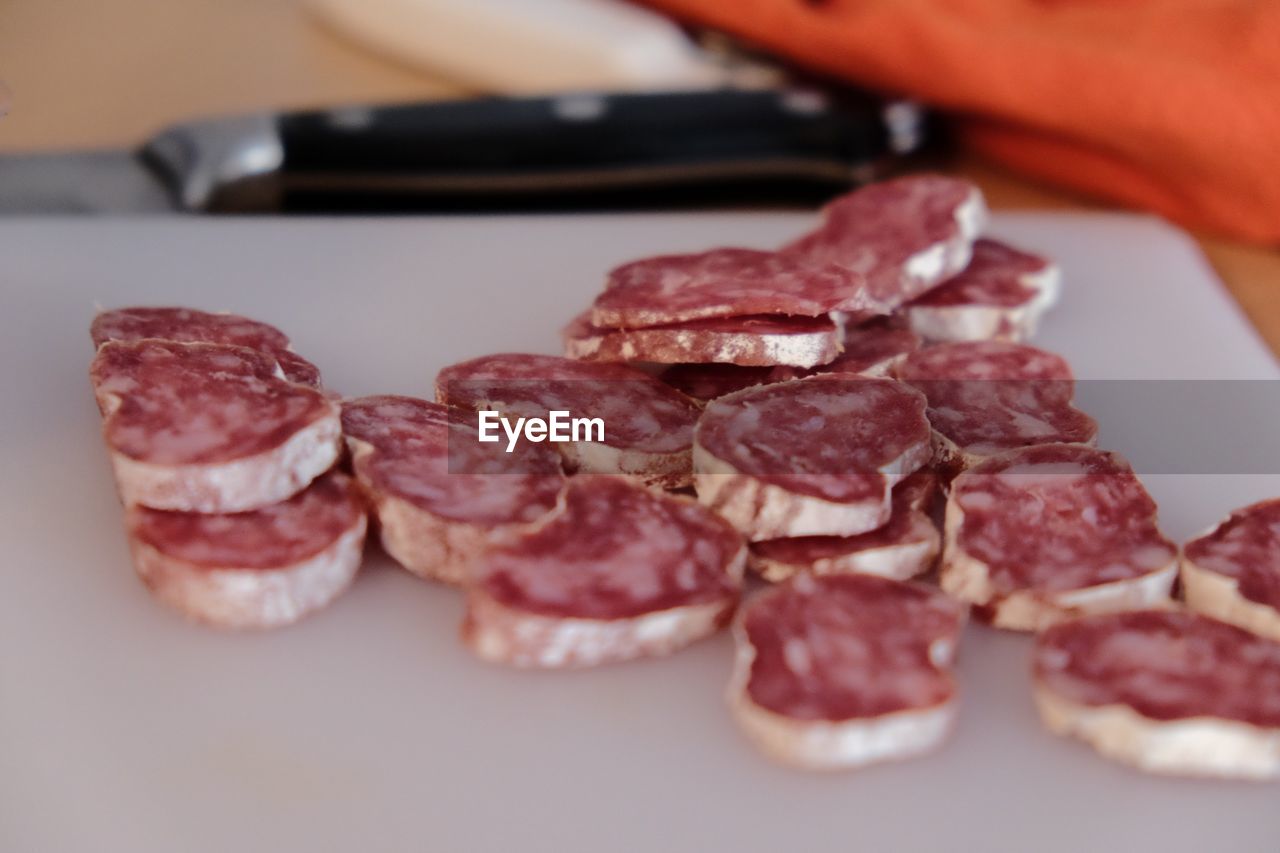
(368, 727)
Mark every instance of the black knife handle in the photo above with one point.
(582, 151)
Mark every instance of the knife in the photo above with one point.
(576, 151)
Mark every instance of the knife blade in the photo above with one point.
(577, 151)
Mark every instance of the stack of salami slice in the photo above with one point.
(883, 344)
(439, 495)
(557, 573)
(223, 446)
(855, 417)
(845, 379)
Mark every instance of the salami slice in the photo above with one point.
(1001, 295)
(724, 283)
(760, 340)
(871, 349)
(621, 572)
(440, 495)
(212, 428)
(648, 426)
(188, 325)
(905, 547)
(1046, 533)
(989, 361)
(1232, 573)
(876, 249)
(903, 237)
(846, 670)
(988, 397)
(1165, 691)
(259, 569)
(811, 457)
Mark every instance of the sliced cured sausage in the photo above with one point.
(259, 569)
(1001, 295)
(620, 572)
(987, 397)
(810, 457)
(905, 547)
(871, 349)
(846, 670)
(1046, 533)
(903, 236)
(187, 325)
(648, 426)
(440, 495)
(989, 361)
(759, 340)
(1165, 691)
(213, 428)
(1232, 572)
(876, 249)
(724, 283)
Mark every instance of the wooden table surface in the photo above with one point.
(88, 73)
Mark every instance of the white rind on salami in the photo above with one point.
(430, 547)
(1001, 295)
(901, 556)
(441, 496)
(821, 745)
(843, 671)
(236, 486)
(762, 510)
(1048, 533)
(1232, 572)
(262, 569)
(502, 634)
(989, 397)
(968, 580)
(209, 428)
(619, 572)
(904, 237)
(753, 341)
(187, 325)
(648, 424)
(905, 547)
(1219, 596)
(1164, 691)
(872, 349)
(810, 457)
(1185, 748)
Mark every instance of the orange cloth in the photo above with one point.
(1169, 105)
